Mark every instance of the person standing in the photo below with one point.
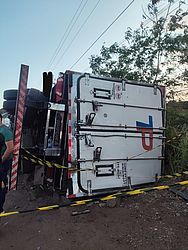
(6, 153)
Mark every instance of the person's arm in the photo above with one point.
(8, 151)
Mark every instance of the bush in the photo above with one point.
(176, 140)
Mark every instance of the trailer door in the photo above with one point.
(119, 133)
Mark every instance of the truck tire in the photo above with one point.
(9, 105)
(36, 95)
(32, 95)
(10, 94)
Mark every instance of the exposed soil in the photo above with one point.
(155, 220)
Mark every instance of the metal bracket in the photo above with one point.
(88, 141)
(95, 105)
(89, 119)
(80, 136)
(97, 154)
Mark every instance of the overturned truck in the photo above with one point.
(107, 134)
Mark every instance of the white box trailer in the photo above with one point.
(110, 130)
(115, 133)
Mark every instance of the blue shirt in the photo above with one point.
(8, 135)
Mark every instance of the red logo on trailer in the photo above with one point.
(146, 129)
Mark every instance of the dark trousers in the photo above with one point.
(4, 168)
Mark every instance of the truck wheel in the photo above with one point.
(9, 105)
(10, 94)
(36, 95)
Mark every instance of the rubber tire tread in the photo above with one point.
(10, 94)
(9, 105)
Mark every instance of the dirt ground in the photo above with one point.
(155, 220)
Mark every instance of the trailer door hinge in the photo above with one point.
(89, 119)
(97, 154)
(88, 140)
(95, 105)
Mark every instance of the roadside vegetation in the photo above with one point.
(177, 134)
(156, 53)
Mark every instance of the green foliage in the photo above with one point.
(177, 135)
(157, 54)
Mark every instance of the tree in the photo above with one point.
(156, 54)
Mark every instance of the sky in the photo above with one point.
(31, 31)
